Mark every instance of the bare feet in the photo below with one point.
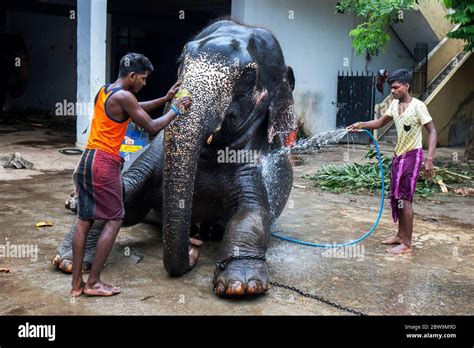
(101, 289)
(78, 290)
(400, 249)
(393, 240)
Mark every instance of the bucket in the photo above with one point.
(135, 139)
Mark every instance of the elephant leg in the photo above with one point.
(142, 183)
(242, 269)
(63, 256)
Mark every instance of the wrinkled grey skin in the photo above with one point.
(242, 96)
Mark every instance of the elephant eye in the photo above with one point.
(246, 82)
(249, 76)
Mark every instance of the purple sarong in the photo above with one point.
(403, 177)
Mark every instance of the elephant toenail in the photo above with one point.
(55, 260)
(235, 288)
(252, 287)
(219, 288)
(66, 266)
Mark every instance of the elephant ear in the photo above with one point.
(282, 108)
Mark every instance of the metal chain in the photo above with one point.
(220, 266)
(318, 298)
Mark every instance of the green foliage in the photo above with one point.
(370, 36)
(464, 16)
(358, 178)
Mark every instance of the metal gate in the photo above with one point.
(355, 101)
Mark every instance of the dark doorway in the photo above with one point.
(159, 30)
(420, 72)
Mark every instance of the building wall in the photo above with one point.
(51, 42)
(452, 107)
(435, 14)
(316, 44)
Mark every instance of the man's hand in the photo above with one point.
(183, 104)
(355, 127)
(428, 169)
(173, 90)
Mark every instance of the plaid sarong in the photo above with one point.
(99, 186)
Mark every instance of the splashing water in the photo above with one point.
(312, 144)
(307, 145)
(319, 141)
(271, 163)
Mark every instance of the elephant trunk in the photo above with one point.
(183, 141)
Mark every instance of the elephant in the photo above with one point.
(192, 174)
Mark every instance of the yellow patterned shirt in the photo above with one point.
(409, 124)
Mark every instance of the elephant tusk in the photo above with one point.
(209, 140)
(218, 129)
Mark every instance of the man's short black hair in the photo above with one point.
(400, 75)
(134, 62)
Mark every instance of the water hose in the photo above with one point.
(368, 233)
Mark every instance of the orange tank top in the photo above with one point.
(106, 133)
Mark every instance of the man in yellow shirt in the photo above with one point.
(409, 115)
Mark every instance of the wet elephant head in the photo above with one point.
(239, 83)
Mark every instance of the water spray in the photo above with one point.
(368, 233)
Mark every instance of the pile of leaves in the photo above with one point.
(362, 178)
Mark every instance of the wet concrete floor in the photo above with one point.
(436, 279)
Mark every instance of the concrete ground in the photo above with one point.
(437, 279)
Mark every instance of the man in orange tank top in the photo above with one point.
(97, 176)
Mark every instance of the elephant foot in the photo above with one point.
(65, 264)
(246, 276)
(194, 245)
(62, 259)
(71, 202)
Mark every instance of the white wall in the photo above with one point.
(51, 42)
(316, 44)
